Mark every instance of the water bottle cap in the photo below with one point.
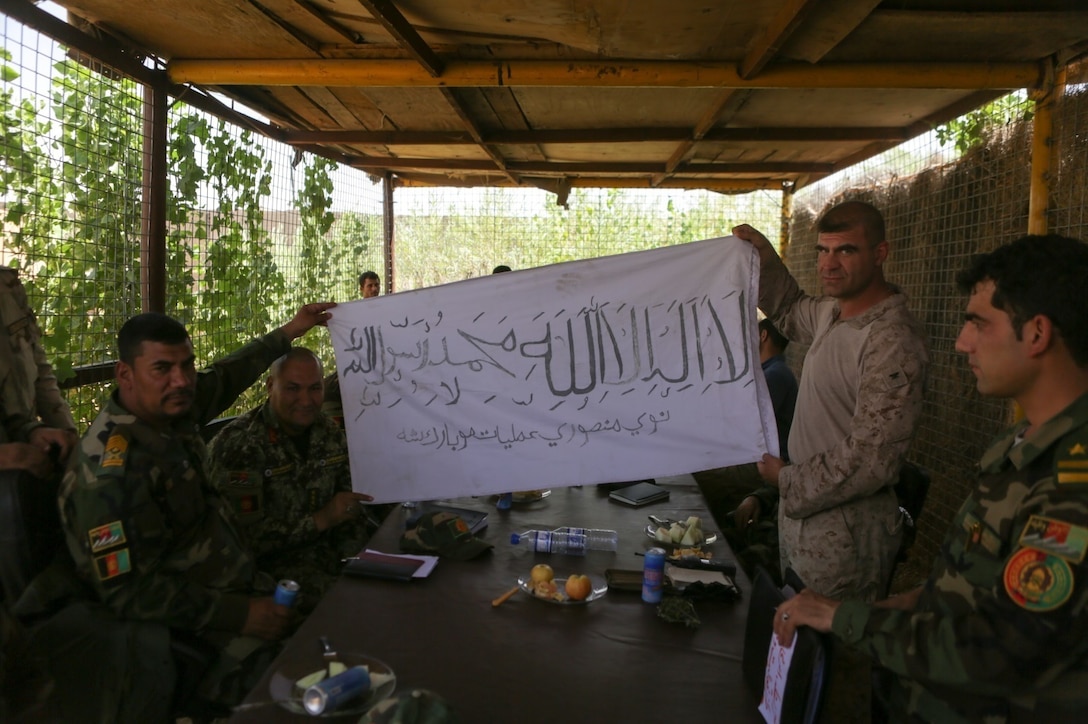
(515, 538)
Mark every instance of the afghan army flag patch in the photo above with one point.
(113, 564)
(1038, 581)
(106, 536)
(1056, 537)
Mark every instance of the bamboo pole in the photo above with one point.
(787, 215)
(389, 230)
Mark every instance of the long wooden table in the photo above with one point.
(612, 659)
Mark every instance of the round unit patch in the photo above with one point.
(1038, 581)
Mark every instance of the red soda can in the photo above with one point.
(653, 575)
(286, 593)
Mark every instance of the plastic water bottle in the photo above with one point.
(597, 539)
(546, 541)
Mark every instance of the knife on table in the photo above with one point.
(704, 564)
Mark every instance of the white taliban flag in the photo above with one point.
(618, 368)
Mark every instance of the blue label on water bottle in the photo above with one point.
(543, 542)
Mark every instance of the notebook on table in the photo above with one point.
(639, 494)
(371, 564)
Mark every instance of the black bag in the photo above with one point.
(808, 668)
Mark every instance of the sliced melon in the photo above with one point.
(310, 679)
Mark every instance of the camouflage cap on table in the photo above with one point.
(417, 706)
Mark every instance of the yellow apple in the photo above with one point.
(541, 572)
(578, 587)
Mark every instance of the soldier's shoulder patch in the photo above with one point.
(1038, 581)
(113, 565)
(1056, 537)
(242, 479)
(278, 471)
(246, 504)
(113, 454)
(106, 536)
(18, 326)
(981, 534)
(1071, 459)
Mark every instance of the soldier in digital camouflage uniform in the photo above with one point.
(284, 468)
(858, 406)
(145, 527)
(33, 414)
(999, 631)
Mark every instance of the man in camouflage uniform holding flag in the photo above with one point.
(999, 631)
(145, 527)
(284, 468)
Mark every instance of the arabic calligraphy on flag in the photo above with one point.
(616, 368)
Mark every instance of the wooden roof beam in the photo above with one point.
(291, 30)
(619, 74)
(605, 167)
(474, 132)
(325, 19)
(710, 117)
(402, 31)
(786, 21)
(552, 184)
(597, 136)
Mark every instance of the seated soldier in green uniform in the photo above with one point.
(34, 417)
(999, 630)
(146, 529)
(284, 468)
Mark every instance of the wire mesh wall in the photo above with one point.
(444, 235)
(254, 230)
(936, 219)
(70, 185)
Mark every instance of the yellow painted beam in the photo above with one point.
(1043, 153)
(619, 74)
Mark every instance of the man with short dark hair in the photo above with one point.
(147, 531)
(999, 631)
(858, 405)
(284, 468)
(370, 284)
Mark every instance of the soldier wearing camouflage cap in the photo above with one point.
(147, 531)
(999, 631)
(284, 468)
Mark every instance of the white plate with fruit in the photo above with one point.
(574, 590)
(687, 533)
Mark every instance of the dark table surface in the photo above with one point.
(527, 660)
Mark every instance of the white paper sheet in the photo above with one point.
(774, 684)
(617, 368)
